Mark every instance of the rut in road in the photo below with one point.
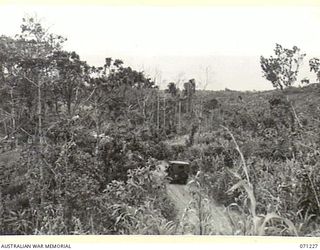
(215, 221)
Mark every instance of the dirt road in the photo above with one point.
(213, 218)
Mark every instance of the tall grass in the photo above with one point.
(254, 224)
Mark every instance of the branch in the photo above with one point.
(296, 116)
(29, 80)
(90, 95)
(25, 132)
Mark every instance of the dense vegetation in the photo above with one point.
(81, 144)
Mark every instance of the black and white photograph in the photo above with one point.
(159, 119)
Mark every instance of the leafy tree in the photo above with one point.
(314, 65)
(120, 90)
(8, 57)
(29, 71)
(71, 74)
(282, 69)
(26, 75)
(35, 68)
(172, 89)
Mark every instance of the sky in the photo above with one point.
(219, 46)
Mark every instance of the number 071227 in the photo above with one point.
(309, 246)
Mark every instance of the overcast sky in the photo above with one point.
(220, 44)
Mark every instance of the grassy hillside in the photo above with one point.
(255, 153)
(81, 147)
